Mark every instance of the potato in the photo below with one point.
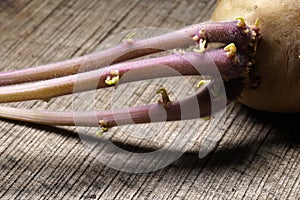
(278, 55)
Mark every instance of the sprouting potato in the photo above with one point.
(278, 54)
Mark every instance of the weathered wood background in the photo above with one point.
(256, 157)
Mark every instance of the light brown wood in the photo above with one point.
(256, 157)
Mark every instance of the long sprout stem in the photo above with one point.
(222, 32)
(211, 63)
(136, 115)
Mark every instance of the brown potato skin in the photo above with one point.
(277, 58)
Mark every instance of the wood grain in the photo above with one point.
(256, 154)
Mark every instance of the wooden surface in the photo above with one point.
(256, 154)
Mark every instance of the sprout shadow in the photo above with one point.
(283, 126)
(284, 131)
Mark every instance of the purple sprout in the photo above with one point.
(234, 60)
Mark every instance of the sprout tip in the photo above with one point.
(230, 49)
(241, 22)
(165, 97)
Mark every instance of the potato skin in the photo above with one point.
(277, 58)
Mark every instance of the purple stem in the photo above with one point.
(223, 32)
(127, 116)
(213, 62)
